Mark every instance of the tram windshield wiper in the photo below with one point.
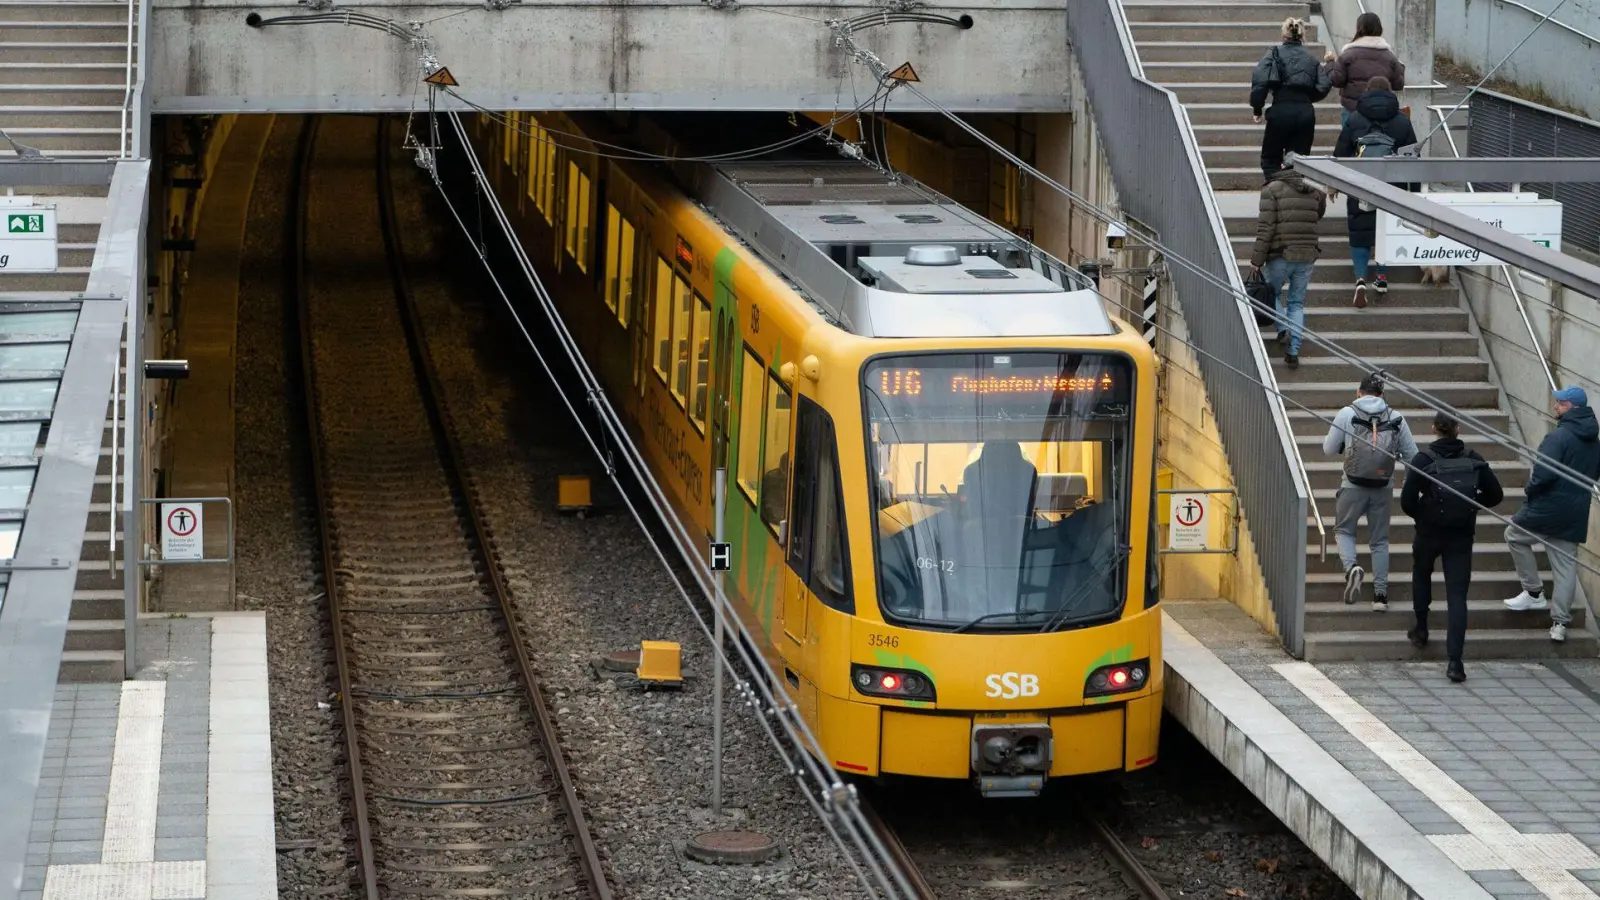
(1019, 614)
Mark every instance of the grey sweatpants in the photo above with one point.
(1563, 565)
(1354, 502)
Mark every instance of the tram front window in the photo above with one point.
(1000, 486)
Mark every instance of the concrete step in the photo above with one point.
(1244, 150)
(1486, 557)
(92, 31)
(1329, 320)
(55, 72)
(1302, 422)
(1325, 497)
(1327, 370)
(1245, 226)
(1333, 267)
(1393, 343)
(23, 51)
(1218, 92)
(97, 576)
(1336, 290)
(1213, 12)
(1238, 111)
(14, 117)
(1327, 473)
(68, 279)
(90, 666)
(1518, 644)
(95, 634)
(20, 93)
(1507, 465)
(1192, 50)
(1234, 73)
(1263, 33)
(1491, 585)
(1325, 616)
(1402, 530)
(1237, 178)
(1334, 394)
(1231, 136)
(53, 140)
(66, 11)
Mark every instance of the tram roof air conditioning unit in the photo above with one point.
(933, 255)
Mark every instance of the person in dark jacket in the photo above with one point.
(1295, 80)
(1286, 246)
(1445, 486)
(1378, 111)
(1363, 59)
(1555, 511)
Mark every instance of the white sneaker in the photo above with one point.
(1352, 584)
(1558, 632)
(1526, 601)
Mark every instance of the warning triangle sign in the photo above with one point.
(442, 78)
(904, 73)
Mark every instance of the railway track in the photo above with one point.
(1015, 859)
(459, 788)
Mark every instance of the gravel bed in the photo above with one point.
(587, 587)
(276, 546)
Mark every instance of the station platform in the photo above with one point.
(1406, 784)
(160, 788)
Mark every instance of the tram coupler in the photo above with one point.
(1012, 760)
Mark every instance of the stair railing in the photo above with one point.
(127, 89)
(1505, 270)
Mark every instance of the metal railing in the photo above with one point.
(127, 88)
(1505, 270)
(1156, 166)
(117, 375)
(1540, 14)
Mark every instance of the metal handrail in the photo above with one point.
(127, 89)
(117, 374)
(1510, 276)
(1553, 21)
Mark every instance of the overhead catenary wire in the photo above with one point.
(836, 804)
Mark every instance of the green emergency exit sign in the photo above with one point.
(25, 223)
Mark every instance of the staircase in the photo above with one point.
(64, 76)
(1204, 52)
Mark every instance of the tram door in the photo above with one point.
(722, 364)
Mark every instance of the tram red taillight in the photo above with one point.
(899, 684)
(1117, 678)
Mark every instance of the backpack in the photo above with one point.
(1369, 450)
(1375, 143)
(1452, 505)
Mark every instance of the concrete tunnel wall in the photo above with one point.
(679, 54)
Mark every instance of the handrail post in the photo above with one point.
(127, 89)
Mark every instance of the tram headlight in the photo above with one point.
(1118, 678)
(898, 684)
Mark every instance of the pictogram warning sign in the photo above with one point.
(1188, 526)
(182, 531)
(904, 73)
(442, 78)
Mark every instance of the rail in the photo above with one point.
(127, 87)
(1155, 163)
(117, 374)
(1551, 20)
(1505, 270)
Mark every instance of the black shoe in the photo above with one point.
(1291, 360)
(1381, 285)
(1380, 603)
(1419, 637)
(1454, 671)
(1283, 338)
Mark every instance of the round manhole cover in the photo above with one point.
(621, 661)
(732, 847)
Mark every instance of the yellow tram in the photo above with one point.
(940, 448)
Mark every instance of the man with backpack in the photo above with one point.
(1446, 485)
(1378, 127)
(1370, 436)
(1555, 511)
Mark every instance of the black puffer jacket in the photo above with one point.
(1287, 227)
(1380, 111)
(1290, 74)
(1489, 492)
(1556, 507)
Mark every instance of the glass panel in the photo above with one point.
(9, 532)
(625, 302)
(828, 579)
(751, 381)
(15, 486)
(62, 322)
(505, 137)
(584, 242)
(19, 438)
(572, 208)
(663, 326)
(16, 396)
(549, 204)
(775, 475)
(702, 360)
(613, 233)
(683, 308)
(14, 357)
(1001, 486)
(535, 155)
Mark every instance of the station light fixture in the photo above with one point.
(168, 369)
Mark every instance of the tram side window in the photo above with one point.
(682, 308)
(514, 145)
(702, 362)
(613, 225)
(816, 527)
(619, 263)
(751, 381)
(578, 216)
(775, 458)
(662, 332)
(507, 128)
(543, 183)
(535, 156)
